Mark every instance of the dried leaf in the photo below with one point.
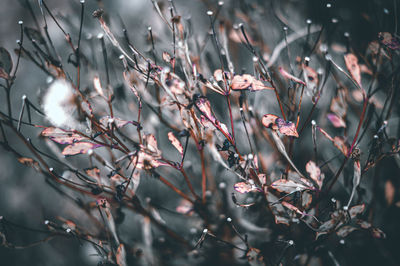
(336, 120)
(268, 120)
(61, 136)
(378, 233)
(118, 122)
(166, 57)
(389, 40)
(353, 67)
(356, 210)
(93, 172)
(205, 108)
(292, 208)
(121, 255)
(311, 77)
(286, 127)
(244, 187)
(79, 148)
(287, 75)
(345, 230)
(177, 144)
(29, 162)
(287, 186)
(340, 143)
(97, 85)
(248, 82)
(315, 173)
(5, 63)
(105, 206)
(389, 192)
(306, 199)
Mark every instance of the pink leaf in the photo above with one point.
(286, 127)
(248, 82)
(290, 76)
(107, 120)
(353, 67)
(268, 120)
(315, 173)
(243, 187)
(205, 108)
(61, 136)
(177, 144)
(336, 120)
(79, 148)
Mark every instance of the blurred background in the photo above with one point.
(27, 200)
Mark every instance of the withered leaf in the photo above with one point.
(61, 136)
(315, 173)
(356, 210)
(345, 230)
(177, 144)
(248, 82)
(287, 186)
(79, 148)
(353, 67)
(244, 187)
(336, 120)
(287, 128)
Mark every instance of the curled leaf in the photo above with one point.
(121, 255)
(292, 208)
(287, 75)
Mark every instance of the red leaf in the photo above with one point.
(290, 76)
(61, 136)
(121, 255)
(79, 148)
